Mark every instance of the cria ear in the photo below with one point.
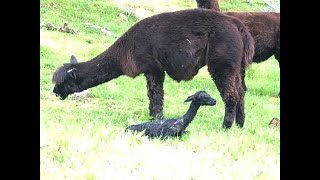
(73, 60)
(190, 98)
(72, 73)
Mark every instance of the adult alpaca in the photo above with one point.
(179, 43)
(264, 27)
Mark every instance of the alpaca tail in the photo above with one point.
(248, 44)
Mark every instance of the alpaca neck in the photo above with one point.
(190, 114)
(115, 61)
(215, 5)
(212, 4)
(98, 70)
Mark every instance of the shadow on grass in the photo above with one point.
(259, 91)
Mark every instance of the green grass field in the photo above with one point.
(83, 138)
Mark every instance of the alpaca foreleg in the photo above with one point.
(155, 94)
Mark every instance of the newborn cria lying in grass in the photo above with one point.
(174, 127)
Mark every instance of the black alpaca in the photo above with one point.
(264, 28)
(178, 43)
(175, 127)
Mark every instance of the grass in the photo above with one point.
(83, 138)
(242, 5)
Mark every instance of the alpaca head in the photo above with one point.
(65, 79)
(202, 98)
(204, 4)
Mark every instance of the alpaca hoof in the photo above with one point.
(240, 125)
(226, 126)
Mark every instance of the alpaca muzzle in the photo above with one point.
(59, 94)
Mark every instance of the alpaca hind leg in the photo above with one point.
(155, 94)
(224, 79)
(240, 104)
(229, 114)
(243, 76)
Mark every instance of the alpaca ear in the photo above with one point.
(190, 98)
(72, 73)
(73, 60)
